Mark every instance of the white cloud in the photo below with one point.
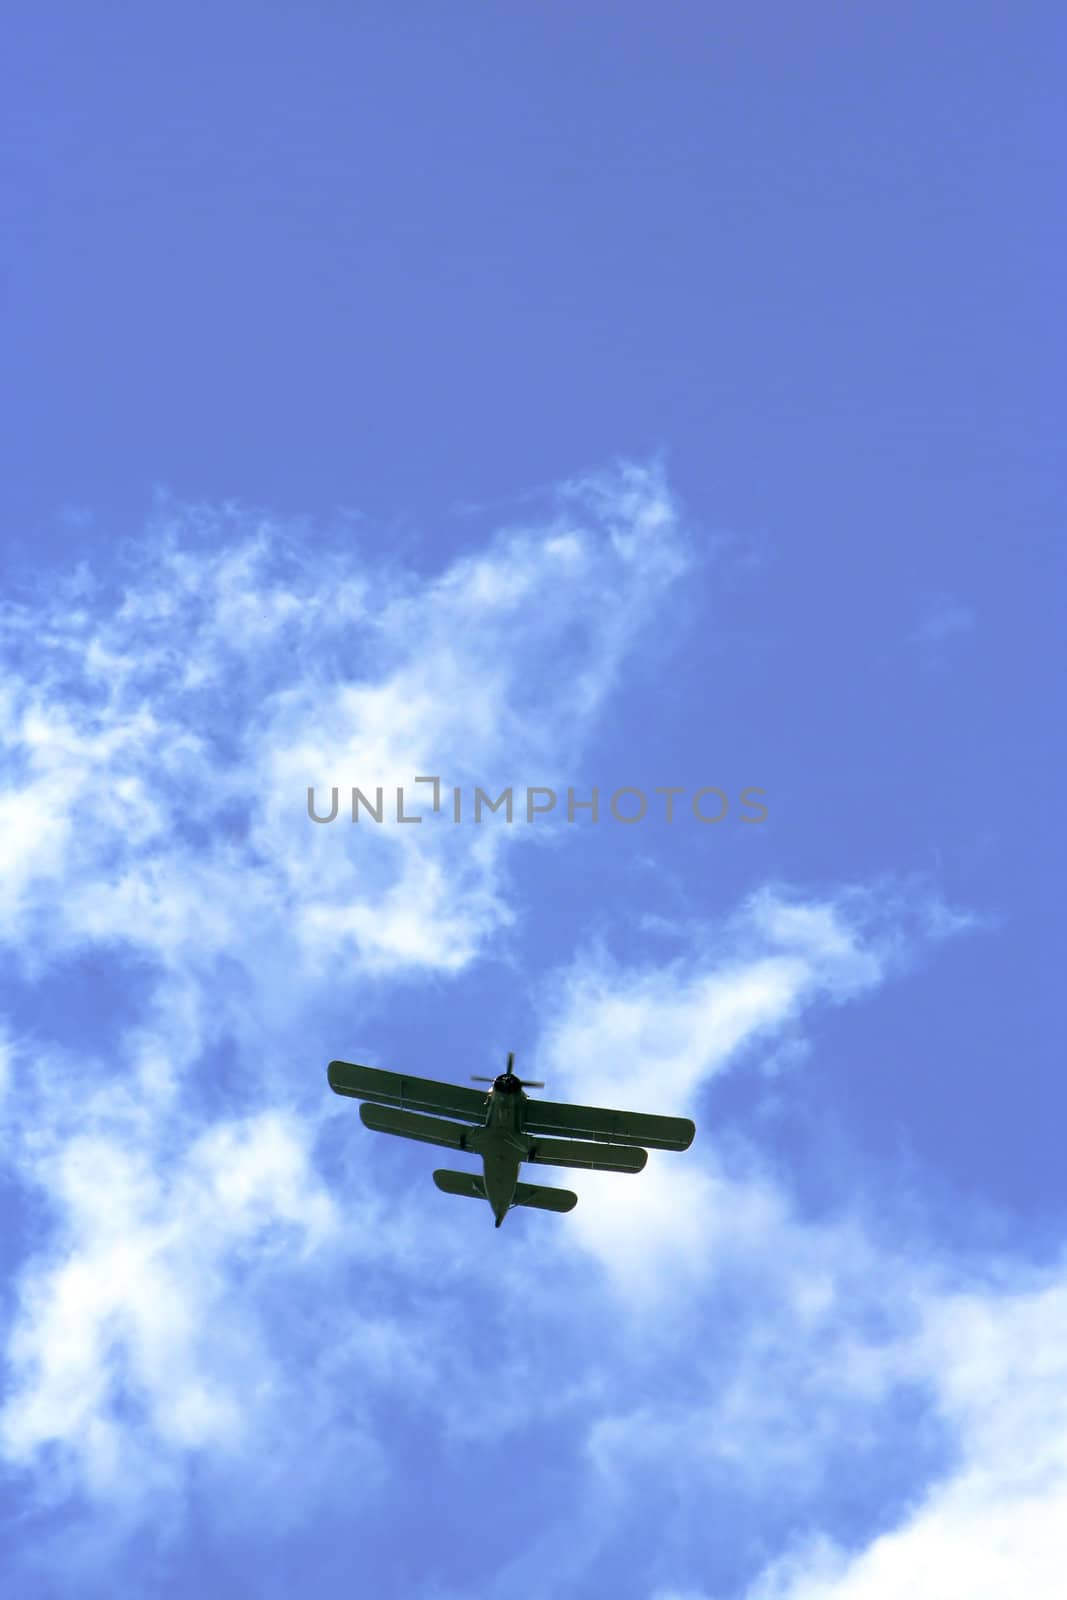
(802, 1336)
(996, 1365)
(650, 1037)
(803, 1339)
(656, 1033)
(162, 742)
(130, 1305)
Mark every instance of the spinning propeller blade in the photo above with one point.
(525, 1083)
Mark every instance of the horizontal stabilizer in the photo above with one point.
(469, 1183)
(594, 1157)
(429, 1130)
(536, 1194)
(409, 1094)
(612, 1127)
(526, 1194)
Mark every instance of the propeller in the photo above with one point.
(525, 1083)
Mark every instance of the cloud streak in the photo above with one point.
(160, 724)
(215, 1287)
(161, 740)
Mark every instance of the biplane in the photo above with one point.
(505, 1127)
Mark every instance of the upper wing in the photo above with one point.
(614, 1127)
(410, 1094)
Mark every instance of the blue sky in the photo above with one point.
(587, 397)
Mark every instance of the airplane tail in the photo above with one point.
(537, 1195)
(544, 1198)
(469, 1183)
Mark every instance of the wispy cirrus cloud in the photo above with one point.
(818, 1350)
(161, 722)
(652, 1036)
(198, 1303)
(992, 1359)
(161, 736)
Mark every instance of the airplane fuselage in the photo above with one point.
(501, 1143)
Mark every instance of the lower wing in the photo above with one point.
(594, 1157)
(428, 1130)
